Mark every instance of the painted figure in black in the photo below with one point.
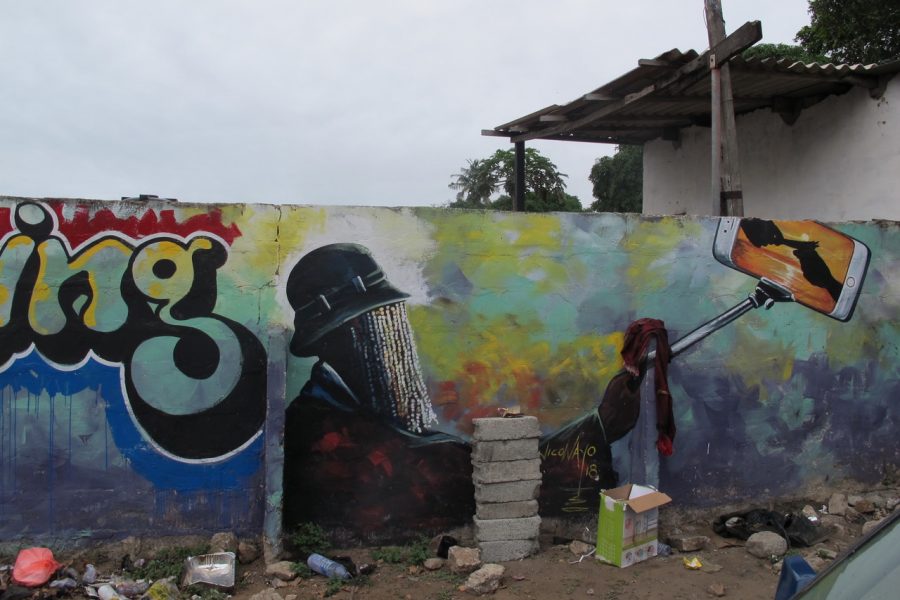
(360, 454)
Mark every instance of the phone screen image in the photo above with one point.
(821, 267)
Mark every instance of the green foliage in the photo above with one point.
(204, 592)
(853, 31)
(301, 569)
(412, 554)
(333, 586)
(618, 180)
(545, 188)
(169, 562)
(778, 51)
(308, 539)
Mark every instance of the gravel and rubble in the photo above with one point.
(150, 569)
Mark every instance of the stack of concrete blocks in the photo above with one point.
(507, 475)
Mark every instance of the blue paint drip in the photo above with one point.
(34, 374)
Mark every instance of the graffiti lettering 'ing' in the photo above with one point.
(194, 381)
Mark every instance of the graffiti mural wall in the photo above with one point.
(133, 382)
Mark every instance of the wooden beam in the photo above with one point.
(748, 34)
(596, 97)
(652, 62)
(553, 118)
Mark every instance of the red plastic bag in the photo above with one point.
(34, 567)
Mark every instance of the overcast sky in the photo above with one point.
(360, 102)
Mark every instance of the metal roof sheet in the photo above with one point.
(784, 85)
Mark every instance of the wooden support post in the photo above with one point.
(519, 200)
(730, 199)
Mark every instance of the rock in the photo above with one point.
(868, 526)
(837, 504)
(485, 580)
(826, 553)
(766, 544)
(892, 503)
(433, 564)
(810, 513)
(864, 506)
(266, 594)
(463, 560)
(291, 597)
(776, 567)
(414, 569)
(247, 552)
(278, 584)
(716, 589)
(816, 563)
(852, 499)
(579, 548)
(283, 570)
(709, 567)
(688, 542)
(853, 516)
(163, 589)
(224, 541)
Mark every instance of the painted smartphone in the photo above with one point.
(823, 268)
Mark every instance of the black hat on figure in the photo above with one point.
(332, 285)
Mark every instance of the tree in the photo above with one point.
(618, 180)
(480, 180)
(788, 51)
(853, 31)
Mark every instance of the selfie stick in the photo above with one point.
(766, 294)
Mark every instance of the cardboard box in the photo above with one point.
(627, 524)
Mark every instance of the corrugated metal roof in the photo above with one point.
(628, 113)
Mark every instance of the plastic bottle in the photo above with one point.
(327, 567)
(90, 574)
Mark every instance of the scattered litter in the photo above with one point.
(583, 556)
(663, 549)
(327, 567)
(90, 574)
(216, 570)
(34, 566)
(129, 588)
(107, 592)
(64, 584)
(693, 563)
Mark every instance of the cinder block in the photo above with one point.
(495, 530)
(507, 470)
(506, 510)
(496, 428)
(513, 491)
(526, 449)
(496, 552)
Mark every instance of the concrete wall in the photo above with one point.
(135, 339)
(839, 161)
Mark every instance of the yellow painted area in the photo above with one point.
(788, 369)
(84, 258)
(90, 315)
(649, 245)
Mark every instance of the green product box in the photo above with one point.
(627, 524)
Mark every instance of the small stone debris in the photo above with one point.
(485, 580)
(716, 589)
(267, 594)
(590, 591)
(224, 541)
(688, 542)
(709, 567)
(433, 564)
(283, 570)
(852, 499)
(837, 504)
(766, 544)
(247, 552)
(776, 567)
(414, 569)
(579, 548)
(816, 563)
(826, 553)
(865, 507)
(853, 516)
(463, 560)
(869, 526)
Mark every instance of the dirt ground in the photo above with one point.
(552, 574)
(555, 572)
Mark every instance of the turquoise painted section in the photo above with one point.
(126, 324)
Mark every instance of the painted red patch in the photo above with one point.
(380, 459)
(5, 222)
(330, 442)
(83, 225)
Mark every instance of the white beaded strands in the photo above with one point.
(384, 342)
